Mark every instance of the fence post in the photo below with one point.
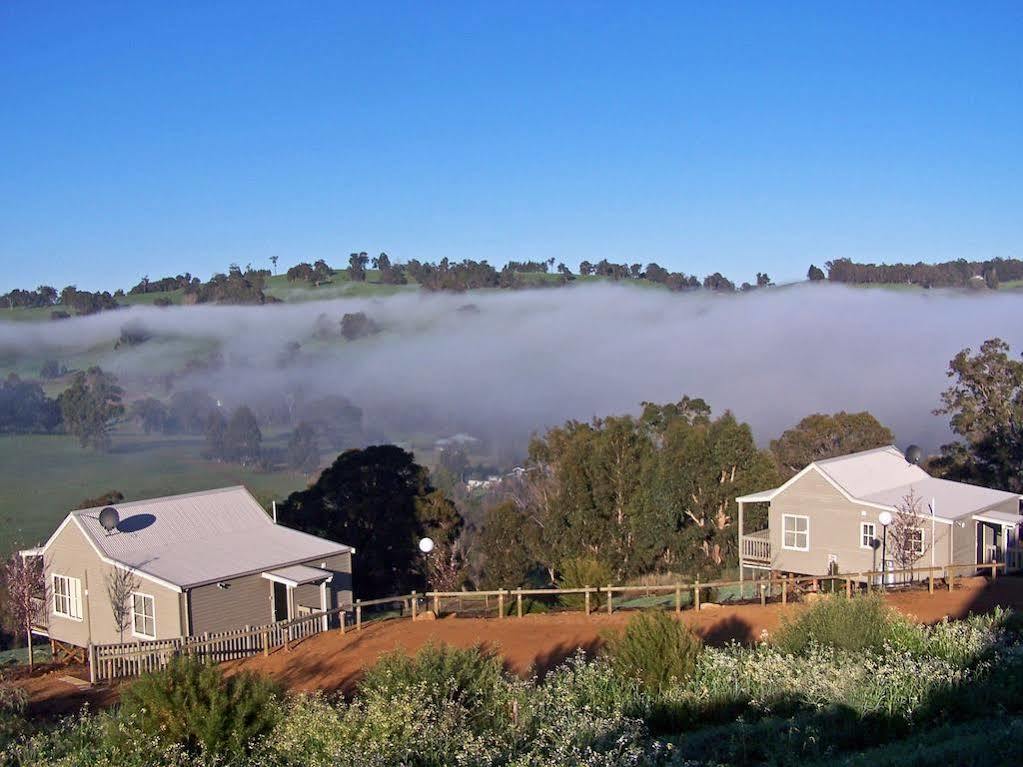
(785, 590)
(930, 582)
(994, 571)
(92, 663)
(696, 594)
(610, 608)
(266, 640)
(848, 588)
(341, 618)
(436, 604)
(500, 603)
(518, 600)
(358, 615)
(586, 594)
(950, 576)
(678, 599)
(413, 603)
(763, 594)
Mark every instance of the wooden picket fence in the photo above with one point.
(127, 659)
(120, 660)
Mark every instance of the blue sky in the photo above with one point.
(154, 138)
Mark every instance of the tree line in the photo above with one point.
(947, 274)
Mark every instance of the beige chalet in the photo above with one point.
(827, 518)
(209, 561)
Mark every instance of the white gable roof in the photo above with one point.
(883, 478)
(197, 538)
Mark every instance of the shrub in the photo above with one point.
(656, 649)
(13, 701)
(471, 678)
(578, 572)
(193, 704)
(856, 624)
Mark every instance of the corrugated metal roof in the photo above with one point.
(198, 538)
(952, 500)
(871, 471)
(883, 476)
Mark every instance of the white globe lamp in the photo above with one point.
(426, 545)
(885, 518)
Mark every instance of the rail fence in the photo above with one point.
(120, 660)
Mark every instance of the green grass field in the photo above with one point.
(46, 476)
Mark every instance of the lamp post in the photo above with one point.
(885, 518)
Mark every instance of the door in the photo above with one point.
(280, 602)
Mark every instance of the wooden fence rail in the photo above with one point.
(113, 661)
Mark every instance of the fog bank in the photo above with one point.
(530, 359)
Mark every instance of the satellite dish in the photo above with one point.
(914, 454)
(109, 518)
(885, 518)
(426, 545)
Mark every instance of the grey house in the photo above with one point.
(209, 561)
(828, 517)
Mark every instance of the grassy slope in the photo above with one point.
(45, 476)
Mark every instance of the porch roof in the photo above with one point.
(297, 575)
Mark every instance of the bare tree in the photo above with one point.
(445, 567)
(909, 542)
(26, 595)
(120, 586)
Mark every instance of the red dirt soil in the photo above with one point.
(533, 644)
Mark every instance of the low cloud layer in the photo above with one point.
(526, 360)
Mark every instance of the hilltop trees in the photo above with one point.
(357, 267)
(379, 501)
(90, 406)
(820, 436)
(985, 402)
(815, 273)
(958, 273)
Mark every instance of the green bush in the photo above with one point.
(13, 702)
(194, 705)
(578, 572)
(656, 649)
(472, 678)
(856, 624)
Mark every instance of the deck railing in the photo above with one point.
(756, 546)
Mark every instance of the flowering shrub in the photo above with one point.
(739, 705)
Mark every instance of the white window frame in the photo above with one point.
(67, 604)
(920, 551)
(795, 533)
(863, 534)
(135, 615)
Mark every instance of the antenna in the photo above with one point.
(274, 504)
(914, 454)
(109, 519)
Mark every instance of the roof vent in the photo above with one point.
(109, 519)
(914, 454)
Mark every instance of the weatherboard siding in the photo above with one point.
(71, 554)
(835, 530)
(245, 602)
(248, 600)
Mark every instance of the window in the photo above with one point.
(67, 597)
(143, 616)
(795, 532)
(868, 532)
(914, 541)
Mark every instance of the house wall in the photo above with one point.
(835, 531)
(72, 554)
(248, 600)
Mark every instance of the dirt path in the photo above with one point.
(534, 643)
